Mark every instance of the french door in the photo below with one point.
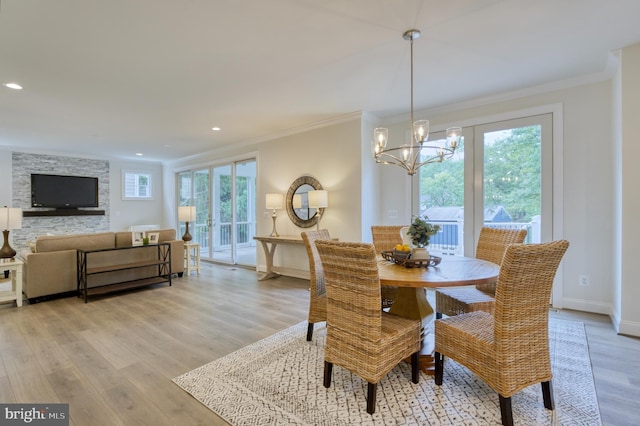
(224, 196)
(501, 177)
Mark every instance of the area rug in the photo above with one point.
(278, 381)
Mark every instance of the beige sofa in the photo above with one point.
(51, 269)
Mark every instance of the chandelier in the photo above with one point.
(419, 152)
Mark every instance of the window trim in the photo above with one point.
(125, 173)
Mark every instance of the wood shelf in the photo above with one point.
(62, 212)
(125, 285)
(123, 267)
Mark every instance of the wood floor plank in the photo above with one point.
(86, 404)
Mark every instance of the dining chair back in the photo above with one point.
(492, 243)
(361, 337)
(509, 350)
(491, 247)
(385, 238)
(317, 291)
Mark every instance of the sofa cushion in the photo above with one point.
(77, 241)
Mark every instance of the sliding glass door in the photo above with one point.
(224, 197)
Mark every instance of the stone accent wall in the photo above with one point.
(24, 165)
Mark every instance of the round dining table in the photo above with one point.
(411, 299)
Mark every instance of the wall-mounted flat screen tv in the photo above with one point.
(63, 192)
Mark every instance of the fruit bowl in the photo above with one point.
(401, 254)
(404, 258)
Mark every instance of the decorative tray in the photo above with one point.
(404, 259)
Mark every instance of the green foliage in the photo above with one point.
(421, 231)
(511, 176)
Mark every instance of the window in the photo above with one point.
(136, 185)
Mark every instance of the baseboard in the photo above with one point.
(587, 306)
(629, 328)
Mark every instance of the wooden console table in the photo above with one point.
(269, 245)
(162, 261)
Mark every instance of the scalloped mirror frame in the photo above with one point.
(297, 220)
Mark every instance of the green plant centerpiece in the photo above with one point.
(421, 230)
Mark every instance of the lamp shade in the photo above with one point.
(318, 199)
(297, 201)
(187, 213)
(10, 218)
(275, 201)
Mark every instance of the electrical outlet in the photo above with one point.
(392, 214)
(583, 280)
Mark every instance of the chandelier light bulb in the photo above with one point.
(381, 135)
(421, 131)
(453, 136)
(406, 153)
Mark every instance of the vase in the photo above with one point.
(406, 239)
(420, 253)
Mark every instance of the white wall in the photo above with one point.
(129, 212)
(5, 178)
(371, 179)
(630, 208)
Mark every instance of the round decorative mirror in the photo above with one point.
(297, 201)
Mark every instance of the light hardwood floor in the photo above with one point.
(113, 358)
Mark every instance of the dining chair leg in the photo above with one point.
(547, 395)
(505, 411)
(415, 367)
(439, 358)
(309, 331)
(371, 397)
(328, 368)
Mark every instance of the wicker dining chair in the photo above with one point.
(317, 291)
(492, 244)
(361, 337)
(509, 350)
(385, 238)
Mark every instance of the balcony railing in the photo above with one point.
(450, 239)
(222, 240)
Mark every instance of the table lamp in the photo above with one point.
(274, 202)
(318, 199)
(186, 214)
(10, 218)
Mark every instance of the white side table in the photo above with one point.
(15, 269)
(191, 257)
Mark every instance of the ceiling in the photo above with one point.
(118, 77)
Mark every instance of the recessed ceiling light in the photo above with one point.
(15, 86)
(139, 154)
(215, 129)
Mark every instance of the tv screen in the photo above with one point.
(63, 192)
